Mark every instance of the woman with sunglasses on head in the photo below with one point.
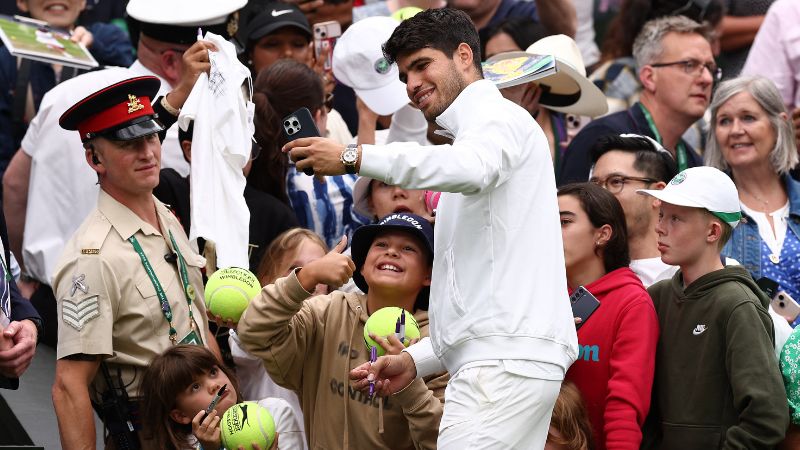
(617, 342)
(752, 138)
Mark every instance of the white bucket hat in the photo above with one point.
(702, 187)
(361, 197)
(359, 63)
(568, 90)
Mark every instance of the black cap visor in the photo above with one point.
(133, 130)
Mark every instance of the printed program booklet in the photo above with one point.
(514, 68)
(33, 39)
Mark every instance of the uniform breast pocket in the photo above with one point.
(148, 303)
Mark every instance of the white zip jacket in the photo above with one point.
(499, 286)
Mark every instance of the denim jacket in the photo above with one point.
(745, 243)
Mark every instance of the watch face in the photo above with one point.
(350, 156)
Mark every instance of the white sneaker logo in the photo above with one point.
(281, 12)
(699, 329)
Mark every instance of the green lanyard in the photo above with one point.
(680, 149)
(188, 290)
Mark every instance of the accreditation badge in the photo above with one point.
(192, 338)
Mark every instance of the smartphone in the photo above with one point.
(300, 124)
(583, 304)
(784, 304)
(768, 285)
(325, 36)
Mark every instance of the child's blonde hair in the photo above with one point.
(571, 420)
(168, 374)
(273, 264)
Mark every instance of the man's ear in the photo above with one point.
(22, 5)
(654, 202)
(714, 231)
(179, 417)
(172, 65)
(186, 147)
(93, 159)
(648, 78)
(464, 57)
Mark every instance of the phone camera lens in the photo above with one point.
(286, 124)
(295, 124)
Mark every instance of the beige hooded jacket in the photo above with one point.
(310, 346)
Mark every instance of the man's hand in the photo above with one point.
(391, 374)
(391, 344)
(333, 269)
(22, 337)
(195, 62)
(318, 65)
(82, 36)
(525, 95)
(321, 154)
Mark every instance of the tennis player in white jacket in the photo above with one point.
(501, 322)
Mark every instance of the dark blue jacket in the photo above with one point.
(21, 307)
(578, 158)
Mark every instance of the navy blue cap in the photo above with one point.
(365, 235)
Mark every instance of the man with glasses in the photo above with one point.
(677, 72)
(622, 164)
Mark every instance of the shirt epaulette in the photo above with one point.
(96, 231)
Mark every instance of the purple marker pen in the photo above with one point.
(403, 327)
(397, 330)
(373, 356)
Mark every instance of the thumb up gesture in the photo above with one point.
(333, 269)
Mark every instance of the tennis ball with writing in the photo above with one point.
(229, 291)
(245, 423)
(406, 13)
(382, 323)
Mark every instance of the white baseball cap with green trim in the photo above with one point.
(702, 187)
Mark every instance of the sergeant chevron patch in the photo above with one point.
(77, 314)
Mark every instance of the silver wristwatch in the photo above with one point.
(349, 158)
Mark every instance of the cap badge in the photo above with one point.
(134, 104)
(382, 66)
(678, 179)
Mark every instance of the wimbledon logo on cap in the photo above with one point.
(403, 217)
(382, 66)
(678, 179)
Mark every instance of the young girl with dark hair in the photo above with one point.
(322, 204)
(180, 384)
(617, 343)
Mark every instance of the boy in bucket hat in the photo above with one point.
(717, 383)
(309, 345)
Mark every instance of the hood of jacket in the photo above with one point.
(614, 281)
(701, 286)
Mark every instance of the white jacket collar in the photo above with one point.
(463, 110)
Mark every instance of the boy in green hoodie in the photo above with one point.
(717, 383)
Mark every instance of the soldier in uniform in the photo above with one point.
(128, 285)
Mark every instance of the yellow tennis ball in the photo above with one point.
(383, 322)
(245, 423)
(229, 291)
(406, 13)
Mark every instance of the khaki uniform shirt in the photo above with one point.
(107, 304)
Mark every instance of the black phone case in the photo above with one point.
(583, 304)
(300, 124)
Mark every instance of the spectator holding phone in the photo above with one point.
(751, 136)
(322, 204)
(717, 382)
(617, 343)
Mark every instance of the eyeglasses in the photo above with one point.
(616, 183)
(694, 67)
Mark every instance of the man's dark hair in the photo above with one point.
(442, 29)
(603, 208)
(652, 162)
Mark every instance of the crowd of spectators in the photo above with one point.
(673, 129)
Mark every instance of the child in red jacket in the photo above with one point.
(617, 343)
